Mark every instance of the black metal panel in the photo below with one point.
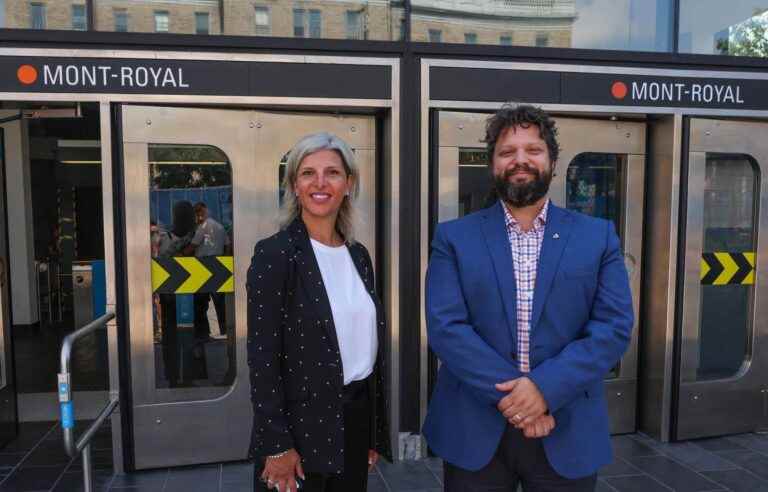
(682, 228)
(645, 90)
(321, 80)
(123, 76)
(485, 84)
(410, 256)
(121, 289)
(199, 77)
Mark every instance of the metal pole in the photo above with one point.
(87, 469)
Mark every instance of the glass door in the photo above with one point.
(723, 364)
(218, 171)
(600, 172)
(8, 416)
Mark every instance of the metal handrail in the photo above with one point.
(83, 445)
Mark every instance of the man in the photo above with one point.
(210, 239)
(528, 307)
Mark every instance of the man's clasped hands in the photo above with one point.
(525, 407)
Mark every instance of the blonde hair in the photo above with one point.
(309, 144)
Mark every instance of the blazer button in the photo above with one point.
(513, 355)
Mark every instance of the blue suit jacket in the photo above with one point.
(580, 327)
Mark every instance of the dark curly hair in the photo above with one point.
(522, 115)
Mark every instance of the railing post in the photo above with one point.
(66, 405)
(87, 469)
(66, 408)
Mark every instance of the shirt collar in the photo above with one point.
(538, 223)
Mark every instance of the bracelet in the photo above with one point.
(278, 455)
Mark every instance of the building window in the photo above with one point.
(736, 27)
(315, 24)
(263, 23)
(161, 21)
(37, 16)
(542, 39)
(121, 21)
(470, 38)
(355, 24)
(298, 23)
(505, 40)
(79, 22)
(202, 23)
(435, 36)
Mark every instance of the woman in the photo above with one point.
(316, 334)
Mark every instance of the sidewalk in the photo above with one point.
(36, 461)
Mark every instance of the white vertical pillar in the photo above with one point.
(18, 178)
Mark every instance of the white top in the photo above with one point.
(354, 313)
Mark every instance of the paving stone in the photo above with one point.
(672, 474)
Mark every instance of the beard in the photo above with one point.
(526, 193)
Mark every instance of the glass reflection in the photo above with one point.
(475, 183)
(592, 186)
(737, 27)
(640, 25)
(49, 14)
(328, 19)
(730, 195)
(192, 282)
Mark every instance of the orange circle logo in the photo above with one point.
(619, 90)
(27, 74)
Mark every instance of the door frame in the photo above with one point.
(606, 136)
(387, 110)
(659, 314)
(8, 395)
(701, 408)
(253, 142)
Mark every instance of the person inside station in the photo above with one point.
(173, 242)
(210, 239)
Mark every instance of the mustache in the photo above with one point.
(508, 173)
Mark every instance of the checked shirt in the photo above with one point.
(525, 247)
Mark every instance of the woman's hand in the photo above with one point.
(280, 473)
(373, 458)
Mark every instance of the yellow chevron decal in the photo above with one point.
(729, 268)
(229, 263)
(705, 268)
(198, 275)
(750, 279)
(190, 275)
(159, 275)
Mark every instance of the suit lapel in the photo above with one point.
(358, 258)
(308, 268)
(497, 240)
(556, 233)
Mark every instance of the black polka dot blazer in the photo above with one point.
(293, 355)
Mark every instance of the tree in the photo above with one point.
(749, 38)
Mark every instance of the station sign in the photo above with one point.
(689, 92)
(193, 77)
(597, 89)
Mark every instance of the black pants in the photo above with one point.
(357, 432)
(170, 339)
(202, 328)
(518, 460)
